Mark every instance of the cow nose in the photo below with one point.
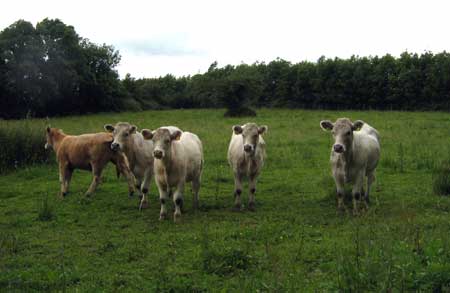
(247, 148)
(114, 146)
(338, 148)
(158, 154)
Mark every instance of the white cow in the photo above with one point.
(354, 156)
(139, 153)
(246, 155)
(178, 159)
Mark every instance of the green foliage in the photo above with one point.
(49, 70)
(409, 82)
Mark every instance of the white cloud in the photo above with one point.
(184, 37)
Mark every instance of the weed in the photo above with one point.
(46, 212)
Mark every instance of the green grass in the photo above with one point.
(295, 241)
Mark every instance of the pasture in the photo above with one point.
(295, 241)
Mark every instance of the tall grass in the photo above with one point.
(22, 143)
(441, 178)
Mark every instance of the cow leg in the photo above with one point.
(96, 173)
(148, 174)
(178, 201)
(122, 164)
(356, 191)
(340, 192)
(137, 186)
(64, 177)
(67, 178)
(370, 180)
(237, 192)
(195, 190)
(252, 189)
(163, 198)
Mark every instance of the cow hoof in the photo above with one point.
(162, 216)
(251, 206)
(130, 194)
(143, 205)
(88, 194)
(64, 194)
(236, 208)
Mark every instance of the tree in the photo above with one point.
(50, 70)
(22, 54)
(239, 90)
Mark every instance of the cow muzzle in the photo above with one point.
(115, 146)
(338, 148)
(158, 154)
(248, 148)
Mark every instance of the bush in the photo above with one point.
(131, 104)
(240, 112)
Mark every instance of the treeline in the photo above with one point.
(410, 82)
(49, 70)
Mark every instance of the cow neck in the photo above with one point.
(167, 161)
(347, 158)
(131, 154)
(250, 158)
(167, 166)
(57, 138)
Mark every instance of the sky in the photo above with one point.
(183, 37)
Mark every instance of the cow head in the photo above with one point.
(162, 139)
(250, 133)
(122, 133)
(342, 131)
(53, 136)
(49, 137)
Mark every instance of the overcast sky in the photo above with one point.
(184, 37)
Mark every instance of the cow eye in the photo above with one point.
(348, 132)
(255, 136)
(167, 140)
(126, 133)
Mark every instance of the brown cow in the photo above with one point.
(90, 152)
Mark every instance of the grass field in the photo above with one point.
(295, 241)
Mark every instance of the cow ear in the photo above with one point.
(48, 129)
(133, 129)
(357, 125)
(147, 134)
(326, 125)
(176, 135)
(263, 129)
(109, 127)
(237, 129)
